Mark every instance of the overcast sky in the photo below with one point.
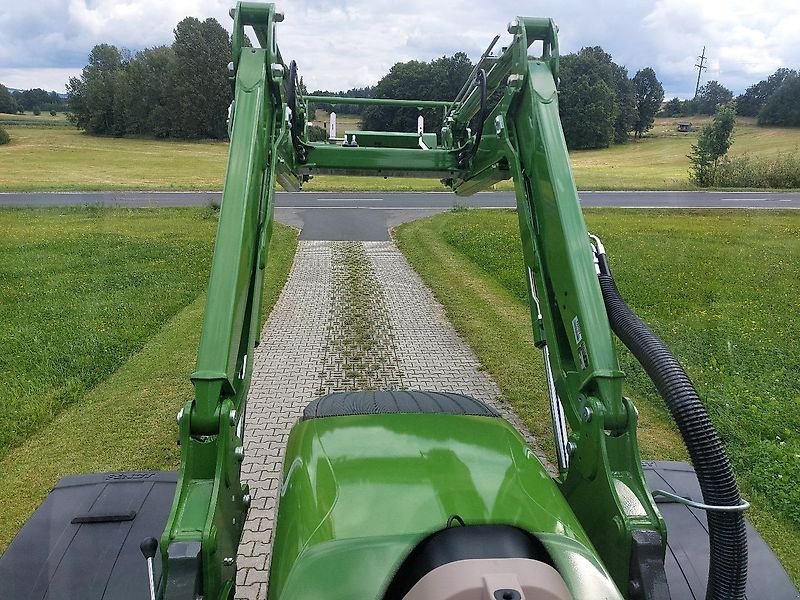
(339, 44)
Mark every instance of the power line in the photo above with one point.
(700, 67)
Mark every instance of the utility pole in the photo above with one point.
(700, 66)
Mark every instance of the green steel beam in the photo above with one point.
(380, 102)
(329, 158)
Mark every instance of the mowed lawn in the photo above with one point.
(46, 154)
(721, 288)
(64, 159)
(80, 291)
(101, 312)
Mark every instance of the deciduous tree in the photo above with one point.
(648, 94)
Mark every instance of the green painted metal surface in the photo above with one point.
(599, 499)
(360, 492)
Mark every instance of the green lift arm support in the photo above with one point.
(518, 137)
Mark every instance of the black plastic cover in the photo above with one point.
(686, 562)
(82, 543)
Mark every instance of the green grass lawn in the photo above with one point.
(45, 154)
(102, 312)
(722, 290)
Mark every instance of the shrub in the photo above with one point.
(4, 137)
(53, 112)
(317, 134)
(37, 111)
(779, 171)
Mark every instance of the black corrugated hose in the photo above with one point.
(727, 576)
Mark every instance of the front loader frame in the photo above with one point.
(518, 137)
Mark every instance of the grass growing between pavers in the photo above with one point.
(126, 422)
(722, 290)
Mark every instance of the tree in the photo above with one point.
(91, 96)
(588, 103)
(626, 103)
(7, 102)
(200, 92)
(673, 108)
(441, 79)
(710, 96)
(4, 137)
(146, 91)
(648, 94)
(783, 106)
(750, 103)
(712, 144)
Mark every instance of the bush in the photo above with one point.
(4, 137)
(37, 111)
(781, 171)
(317, 134)
(53, 112)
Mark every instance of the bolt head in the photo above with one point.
(571, 448)
(238, 452)
(277, 70)
(278, 17)
(586, 414)
(228, 561)
(513, 27)
(246, 499)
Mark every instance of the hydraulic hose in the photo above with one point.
(727, 576)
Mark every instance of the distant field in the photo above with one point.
(659, 160)
(62, 158)
(46, 154)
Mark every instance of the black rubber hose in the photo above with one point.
(727, 576)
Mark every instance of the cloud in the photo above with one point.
(340, 44)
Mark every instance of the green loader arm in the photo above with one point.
(520, 137)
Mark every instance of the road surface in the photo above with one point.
(367, 216)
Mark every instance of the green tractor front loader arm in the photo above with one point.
(504, 124)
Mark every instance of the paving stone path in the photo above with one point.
(353, 315)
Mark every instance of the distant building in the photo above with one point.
(684, 127)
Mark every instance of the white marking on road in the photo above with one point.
(349, 199)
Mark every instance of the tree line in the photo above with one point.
(774, 100)
(36, 101)
(181, 90)
(599, 103)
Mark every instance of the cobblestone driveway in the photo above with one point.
(353, 315)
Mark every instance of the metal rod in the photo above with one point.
(380, 101)
(709, 507)
(474, 72)
(557, 414)
(556, 409)
(152, 579)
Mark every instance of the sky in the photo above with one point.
(340, 44)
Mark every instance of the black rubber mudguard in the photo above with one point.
(82, 543)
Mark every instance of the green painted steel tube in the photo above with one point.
(379, 101)
(204, 527)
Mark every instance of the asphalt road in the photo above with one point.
(368, 215)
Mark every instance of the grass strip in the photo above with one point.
(127, 422)
(701, 280)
